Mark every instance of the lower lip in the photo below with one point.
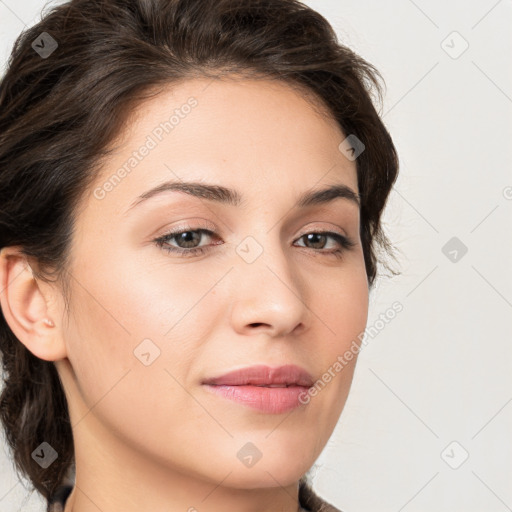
(269, 400)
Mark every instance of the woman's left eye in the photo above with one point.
(191, 237)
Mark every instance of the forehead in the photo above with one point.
(244, 133)
(242, 108)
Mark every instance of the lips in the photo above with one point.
(264, 376)
(267, 390)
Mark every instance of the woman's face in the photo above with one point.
(151, 321)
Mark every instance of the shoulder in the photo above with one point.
(311, 502)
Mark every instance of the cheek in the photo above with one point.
(343, 311)
(99, 347)
(127, 313)
(342, 306)
(127, 372)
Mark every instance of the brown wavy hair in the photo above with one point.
(60, 112)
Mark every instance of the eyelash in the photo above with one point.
(345, 243)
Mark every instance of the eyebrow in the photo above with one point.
(232, 197)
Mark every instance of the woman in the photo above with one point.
(191, 194)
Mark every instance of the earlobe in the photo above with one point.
(25, 307)
(48, 322)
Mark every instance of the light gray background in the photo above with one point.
(441, 370)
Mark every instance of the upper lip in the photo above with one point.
(262, 375)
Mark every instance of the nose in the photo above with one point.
(269, 296)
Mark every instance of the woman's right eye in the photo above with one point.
(188, 237)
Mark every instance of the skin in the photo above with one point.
(151, 437)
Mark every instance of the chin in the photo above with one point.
(261, 463)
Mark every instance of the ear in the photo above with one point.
(27, 309)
